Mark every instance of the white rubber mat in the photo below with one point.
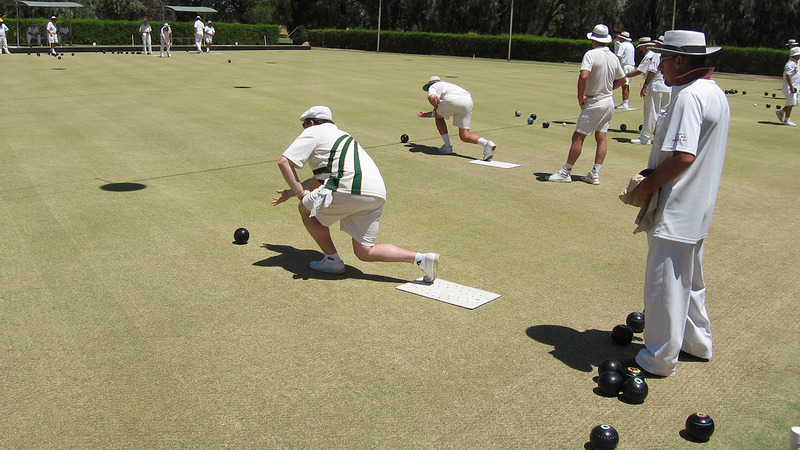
(498, 164)
(453, 293)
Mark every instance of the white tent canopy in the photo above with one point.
(37, 4)
(192, 9)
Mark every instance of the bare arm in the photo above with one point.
(582, 80)
(667, 171)
(296, 188)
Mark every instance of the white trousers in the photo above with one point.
(654, 103)
(4, 45)
(674, 305)
(147, 44)
(168, 45)
(198, 41)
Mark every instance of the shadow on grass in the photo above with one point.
(769, 122)
(545, 176)
(582, 350)
(296, 261)
(428, 150)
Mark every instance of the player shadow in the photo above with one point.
(582, 350)
(770, 122)
(428, 150)
(296, 261)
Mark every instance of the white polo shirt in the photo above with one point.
(604, 68)
(697, 122)
(337, 160)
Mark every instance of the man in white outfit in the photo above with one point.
(166, 39)
(3, 41)
(147, 44)
(208, 35)
(346, 187)
(687, 157)
(601, 73)
(626, 53)
(33, 33)
(52, 34)
(654, 91)
(791, 84)
(199, 32)
(451, 100)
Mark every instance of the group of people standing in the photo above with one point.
(689, 140)
(203, 35)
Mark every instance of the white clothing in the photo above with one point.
(52, 33)
(166, 40)
(604, 67)
(147, 43)
(674, 305)
(626, 53)
(208, 34)
(696, 122)
(454, 101)
(791, 70)
(658, 84)
(655, 100)
(31, 32)
(337, 160)
(595, 115)
(3, 40)
(199, 27)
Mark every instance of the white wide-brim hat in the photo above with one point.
(317, 112)
(625, 35)
(645, 40)
(685, 42)
(794, 51)
(600, 34)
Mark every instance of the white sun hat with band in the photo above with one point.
(685, 42)
(600, 34)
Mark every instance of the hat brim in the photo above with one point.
(646, 44)
(604, 40)
(427, 85)
(678, 51)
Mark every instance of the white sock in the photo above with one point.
(597, 168)
(446, 139)
(333, 257)
(419, 260)
(482, 141)
(567, 168)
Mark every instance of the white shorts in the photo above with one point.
(457, 106)
(358, 215)
(52, 39)
(791, 99)
(595, 115)
(207, 39)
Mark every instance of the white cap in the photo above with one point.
(317, 112)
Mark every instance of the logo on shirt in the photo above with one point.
(680, 137)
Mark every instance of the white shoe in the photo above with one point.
(560, 177)
(328, 265)
(431, 267)
(488, 150)
(641, 141)
(591, 178)
(622, 106)
(781, 115)
(789, 122)
(446, 150)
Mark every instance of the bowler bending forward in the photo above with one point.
(347, 187)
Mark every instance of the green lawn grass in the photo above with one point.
(130, 320)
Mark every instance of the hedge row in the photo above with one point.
(757, 61)
(118, 32)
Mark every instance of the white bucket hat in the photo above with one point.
(645, 40)
(794, 51)
(791, 43)
(685, 42)
(625, 35)
(600, 34)
(317, 112)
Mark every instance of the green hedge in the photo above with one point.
(118, 32)
(758, 61)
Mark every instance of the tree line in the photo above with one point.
(741, 23)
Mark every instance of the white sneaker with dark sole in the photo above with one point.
(591, 178)
(446, 150)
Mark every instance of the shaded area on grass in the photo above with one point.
(581, 350)
(296, 261)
